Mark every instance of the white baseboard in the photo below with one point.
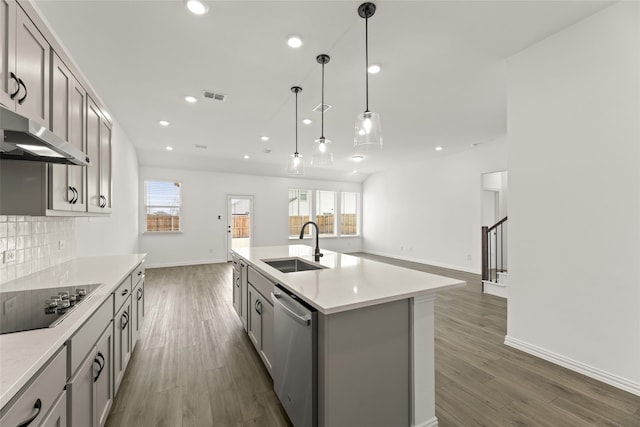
(433, 422)
(574, 365)
(422, 261)
(495, 289)
(184, 263)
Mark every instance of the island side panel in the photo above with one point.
(364, 366)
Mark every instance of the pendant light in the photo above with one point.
(368, 131)
(322, 155)
(296, 165)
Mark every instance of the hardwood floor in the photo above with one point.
(195, 366)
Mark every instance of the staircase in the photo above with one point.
(494, 259)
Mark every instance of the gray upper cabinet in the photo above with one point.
(32, 71)
(99, 195)
(8, 84)
(67, 184)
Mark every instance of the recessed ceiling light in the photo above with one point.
(190, 99)
(355, 171)
(294, 41)
(264, 138)
(357, 158)
(307, 121)
(169, 148)
(439, 148)
(163, 123)
(246, 156)
(373, 69)
(197, 7)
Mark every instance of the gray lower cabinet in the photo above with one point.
(90, 388)
(260, 325)
(39, 400)
(137, 312)
(122, 337)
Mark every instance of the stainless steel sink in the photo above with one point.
(291, 265)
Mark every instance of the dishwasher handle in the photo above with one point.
(278, 299)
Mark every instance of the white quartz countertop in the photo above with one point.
(22, 354)
(348, 282)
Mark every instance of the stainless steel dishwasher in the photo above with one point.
(295, 367)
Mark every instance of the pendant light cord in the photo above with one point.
(296, 123)
(366, 56)
(322, 108)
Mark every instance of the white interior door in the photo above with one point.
(239, 222)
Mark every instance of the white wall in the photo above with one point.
(574, 202)
(430, 212)
(117, 233)
(203, 237)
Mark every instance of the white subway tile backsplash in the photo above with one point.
(36, 242)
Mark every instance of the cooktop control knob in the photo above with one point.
(64, 295)
(81, 292)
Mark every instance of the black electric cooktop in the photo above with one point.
(39, 308)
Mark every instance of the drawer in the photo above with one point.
(85, 338)
(138, 273)
(121, 294)
(40, 395)
(261, 283)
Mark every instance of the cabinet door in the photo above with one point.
(78, 138)
(122, 348)
(81, 392)
(8, 85)
(103, 379)
(93, 150)
(57, 416)
(105, 167)
(254, 325)
(266, 349)
(137, 313)
(32, 67)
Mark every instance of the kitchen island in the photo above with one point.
(375, 336)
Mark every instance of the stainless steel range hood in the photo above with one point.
(24, 139)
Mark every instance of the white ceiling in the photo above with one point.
(442, 81)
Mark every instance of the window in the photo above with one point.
(349, 214)
(163, 202)
(325, 208)
(325, 212)
(299, 211)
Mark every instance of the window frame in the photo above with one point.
(146, 206)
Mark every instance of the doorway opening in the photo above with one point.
(240, 222)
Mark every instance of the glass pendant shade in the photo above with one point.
(322, 153)
(296, 165)
(368, 132)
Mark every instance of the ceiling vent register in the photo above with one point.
(214, 96)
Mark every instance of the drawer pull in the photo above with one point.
(124, 320)
(125, 292)
(140, 294)
(15, 79)
(100, 365)
(21, 100)
(140, 273)
(37, 407)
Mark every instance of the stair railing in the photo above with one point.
(493, 261)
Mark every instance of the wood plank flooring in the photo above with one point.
(195, 366)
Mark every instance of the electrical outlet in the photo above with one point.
(468, 257)
(9, 305)
(9, 256)
(62, 244)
